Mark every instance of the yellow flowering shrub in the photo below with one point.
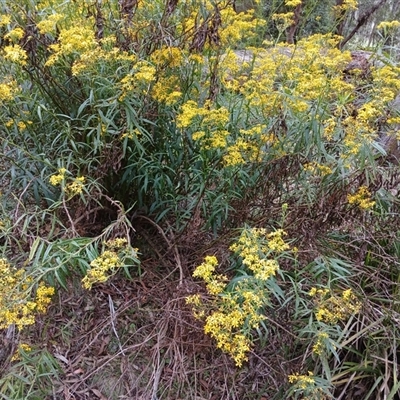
(177, 110)
(237, 309)
(19, 301)
(258, 250)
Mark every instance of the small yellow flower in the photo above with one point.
(76, 187)
(293, 3)
(48, 25)
(362, 198)
(116, 244)
(206, 269)
(100, 267)
(275, 241)
(334, 308)
(43, 297)
(388, 25)
(15, 35)
(5, 20)
(25, 348)
(55, 180)
(194, 299)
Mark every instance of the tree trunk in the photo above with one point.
(291, 31)
(362, 21)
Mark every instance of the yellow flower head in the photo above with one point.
(76, 187)
(16, 54)
(206, 269)
(15, 35)
(362, 198)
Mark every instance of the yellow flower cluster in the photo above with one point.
(16, 54)
(236, 310)
(276, 242)
(388, 25)
(100, 268)
(17, 304)
(303, 381)
(48, 25)
(332, 308)
(167, 57)
(254, 246)
(114, 256)
(8, 90)
(283, 20)
(317, 169)
(215, 283)
(307, 386)
(241, 151)
(22, 347)
(72, 41)
(137, 81)
(72, 188)
(212, 121)
(43, 297)
(145, 73)
(293, 3)
(15, 34)
(116, 244)
(56, 179)
(320, 344)
(166, 90)
(234, 27)
(76, 187)
(238, 26)
(234, 313)
(189, 111)
(101, 56)
(5, 20)
(346, 5)
(209, 117)
(386, 85)
(362, 198)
